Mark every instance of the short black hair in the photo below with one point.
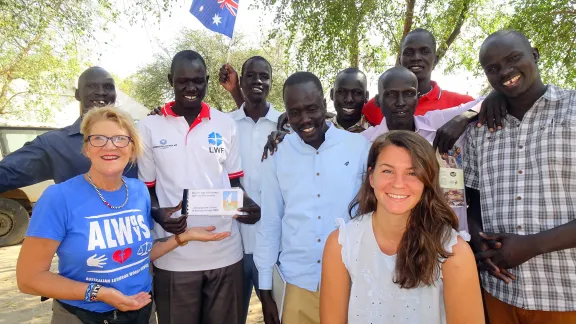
(255, 58)
(349, 70)
(398, 69)
(303, 77)
(421, 30)
(88, 70)
(189, 55)
(513, 32)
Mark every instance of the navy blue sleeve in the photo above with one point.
(131, 171)
(26, 166)
(49, 216)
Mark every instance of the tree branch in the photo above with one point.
(407, 20)
(456, 31)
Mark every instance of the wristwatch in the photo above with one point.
(179, 241)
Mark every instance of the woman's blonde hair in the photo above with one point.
(121, 118)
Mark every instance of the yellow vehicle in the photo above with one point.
(16, 205)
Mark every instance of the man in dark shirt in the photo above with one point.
(58, 154)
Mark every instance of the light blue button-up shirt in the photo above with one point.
(304, 191)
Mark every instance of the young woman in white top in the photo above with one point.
(400, 259)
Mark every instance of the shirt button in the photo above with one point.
(520, 172)
(319, 240)
(317, 153)
(520, 146)
(318, 195)
(518, 198)
(319, 217)
(519, 227)
(317, 173)
(318, 261)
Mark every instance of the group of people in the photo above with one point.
(366, 220)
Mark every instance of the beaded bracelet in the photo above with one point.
(88, 291)
(92, 292)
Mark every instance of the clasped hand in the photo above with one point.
(496, 253)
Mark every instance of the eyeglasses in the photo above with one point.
(119, 141)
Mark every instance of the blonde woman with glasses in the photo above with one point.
(99, 225)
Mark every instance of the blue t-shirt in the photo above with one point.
(98, 244)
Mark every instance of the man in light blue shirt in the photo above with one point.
(256, 119)
(305, 187)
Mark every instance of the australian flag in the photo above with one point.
(216, 15)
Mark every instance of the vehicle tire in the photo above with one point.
(13, 222)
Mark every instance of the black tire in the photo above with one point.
(14, 221)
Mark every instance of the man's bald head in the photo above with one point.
(506, 34)
(510, 64)
(96, 88)
(397, 97)
(395, 73)
(349, 94)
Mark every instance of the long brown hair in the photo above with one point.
(427, 229)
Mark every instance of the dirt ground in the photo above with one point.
(18, 308)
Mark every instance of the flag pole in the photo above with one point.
(232, 37)
(229, 49)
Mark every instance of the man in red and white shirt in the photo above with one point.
(192, 146)
(418, 54)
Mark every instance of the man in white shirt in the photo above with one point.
(192, 146)
(255, 119)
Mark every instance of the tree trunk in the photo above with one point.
(407, 21)
(456, 31)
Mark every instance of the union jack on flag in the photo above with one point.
(231, 5)
(217, 15)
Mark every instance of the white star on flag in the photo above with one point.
(201, 8)
(216, 19)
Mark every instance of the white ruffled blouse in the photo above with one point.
(374, 297)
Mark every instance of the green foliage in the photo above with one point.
(42, 46)
(326, 36)
(150, 86)
(551, 27)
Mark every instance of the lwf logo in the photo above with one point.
(215, 139)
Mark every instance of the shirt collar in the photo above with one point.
(554, 93)
(360, 126)
(419, 125)
(435, 93)
(272, 114)
(75, 128)
(332, 135)
(167, 110)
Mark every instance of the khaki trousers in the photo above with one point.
(501, 313)
(301, 306)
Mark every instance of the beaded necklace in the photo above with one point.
(102, 197)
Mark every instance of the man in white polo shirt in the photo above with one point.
(192, 146)
(255, 119)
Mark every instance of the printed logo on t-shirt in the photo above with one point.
(120, 241)
(215, 140)
(163, 144)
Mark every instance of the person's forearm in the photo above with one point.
(153, 198)
(556, 239)
(162, 246)
(237, 96)
(12, 177)
(470, 115)
(474, 214)
(53, 285)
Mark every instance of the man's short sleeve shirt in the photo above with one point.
(204, 155)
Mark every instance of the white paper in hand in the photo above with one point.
(212, 202)
(278, 289)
